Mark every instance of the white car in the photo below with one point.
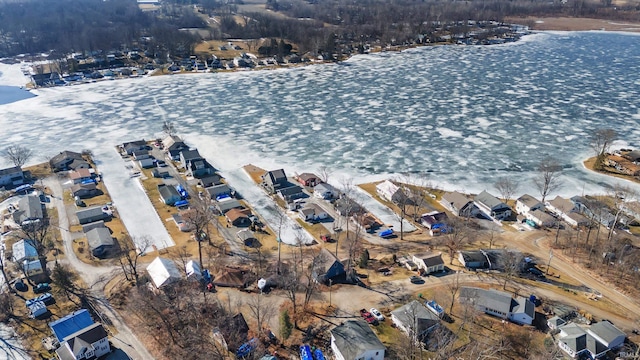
(376, 314)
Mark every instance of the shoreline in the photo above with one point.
(589, 162)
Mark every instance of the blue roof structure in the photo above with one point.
(305, 352)
(318, 355)
(70, 324)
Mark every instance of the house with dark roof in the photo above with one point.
(93, 225)
(85, 344)
(173, 145)
(11, 177)
(29, 210)
(474, 259)
(541, 218)
(85, 191)
(274, 180)
(71, 324)
(217, 190)
(500, 304)
(68, 160)
(459, 204)
(561, 206)
(354, 339)
(168, 194)
(308, 179)
(492, 206)
(633, 156)
(100, 242)
(326, 266)
(429, 262)
(189, 155)
(210, 180)
(238, 217)
(415, 320)
(133, 146)
(291, 193)
(575, 342)
(199, 168)
(247, 237)
(527, 203)
(92, 214)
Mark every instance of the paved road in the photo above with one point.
(95, 277)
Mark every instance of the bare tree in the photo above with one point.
(198, 218)
(130, 253)
(506, 187)
(261, 310)
(453, 286)
(325, 173)
(457, 236)
(548, 178)
(17, 155)
(511, 265)
(601, 140)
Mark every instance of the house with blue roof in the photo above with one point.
(24, 250)
(71, 324)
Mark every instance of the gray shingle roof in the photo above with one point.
(457, 199)
(528, 200)
(100, 236)
(606, 331)
(354, 337)
(488, 200)
(492, 299)
(413, 315)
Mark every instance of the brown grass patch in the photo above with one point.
(254, 172)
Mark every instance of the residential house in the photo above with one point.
(218, 190)
(141, 154)
(475, 259)
(575, 341)
(275, 180)
(429, 262)
(555, 322)
(32, 268)
(392, 192)
(347, 207)
(527, 203)
(29, 210)
(85, 344)
(24, 250)
(147, 163)
(415, 320)
(623, 165)
(182, 225)
(435, 221)
(561, 207)
(227, 204)
(291, 193)
(46, 79)
(132, 146)
(210, 180)
(92, 214)
(163, 272)
(500, 304)
(173, 145)
(541, 218)
(492, 206)
(93, 225)
(238, 217)
(231, 277)
(367, 222)
(326, 266)
(162, 174)
(70, 324)
(68, 160)
(606, 333)
(459, 204)
(594, 209)
(100, 242)
(189, 155)
(308, 179)
(354, 339)
(168, 194)
(325, 191)
(313, 212)
(199, 168)
(247, 237)
(11, 177)
(80, 175)
(633, 156)
(575, 219)
(85, 191)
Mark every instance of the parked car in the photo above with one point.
(21, 286)
(416, 279)
(42, 287)
(368, 317)
(376, 314)
(535, 271)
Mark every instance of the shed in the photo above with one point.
(163, 272)
(37, 308)
(192, 269)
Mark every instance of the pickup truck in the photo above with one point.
(368, 317)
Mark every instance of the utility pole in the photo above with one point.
(549, 263)
(330, 287)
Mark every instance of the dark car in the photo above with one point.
(536, 272)
(21, 286)
(42, 287)
(416, 280)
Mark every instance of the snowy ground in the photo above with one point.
(382, 212)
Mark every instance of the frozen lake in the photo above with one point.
(461, 115)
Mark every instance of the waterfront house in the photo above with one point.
(173, 146)
(11, 177)
(68, 160)
(308, 179)
(458, 204)
(132, 146)
(354, 339)
(633, 156)
(623, 165)
(392, 192)
(100, 242)
(274, 180)
(219, 190)
(291, 193)
(189, 155)
(168, 194)
(325, 191)
(210, 180)
(492, 206)
(527, 203)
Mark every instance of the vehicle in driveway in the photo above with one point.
(41, 287)
(368, 317)
(536, 272)
(376, 314)
(416, 279)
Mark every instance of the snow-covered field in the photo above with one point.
(460, 115)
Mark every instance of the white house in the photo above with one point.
(88, 343)
(325, 191)
(429, 262)
(498, 303)
(163, 272)
(313, 212)
(527, 203)
(575, 219)
(561, 207)
(608, 334)
(12, 176)
(574, 341)
(24, 250)
(492, 206)
(390, 192)
(354, 339)
(414, 318)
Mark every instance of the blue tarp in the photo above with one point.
(181, 203)
(386, 233)
(318, 355)
(71, 323)
(246, 348)
(305, 352)
(87, 181)
(222, 196)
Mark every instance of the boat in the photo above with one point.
(433, 306)
(305, 352)
(386, 233)
(318, 355)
